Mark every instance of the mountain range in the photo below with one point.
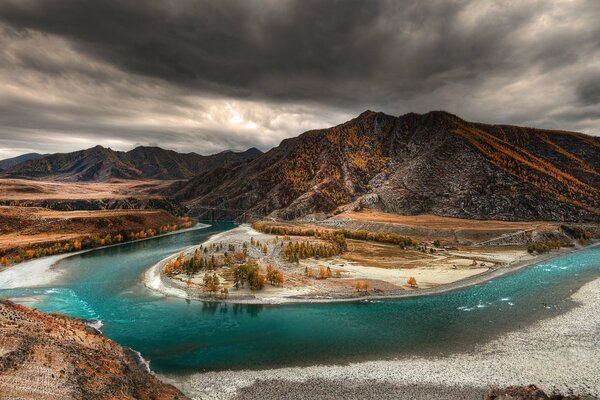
(103, 164)
(433, 163)
(11, 162)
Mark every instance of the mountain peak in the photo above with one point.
(253, 150)
(367, 114)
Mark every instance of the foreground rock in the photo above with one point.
(47, 357)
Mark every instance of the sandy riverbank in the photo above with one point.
(562, 352)
(40, 271)
(444, 278)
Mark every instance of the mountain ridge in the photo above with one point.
(143, 162)
(432, 163)
(11, 162)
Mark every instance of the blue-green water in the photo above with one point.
(178, 336)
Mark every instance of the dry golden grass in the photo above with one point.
(22, 189)
(436, 222)
(380, 255)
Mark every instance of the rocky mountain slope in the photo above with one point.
(101, 164)
(48, 357)
(434, 163)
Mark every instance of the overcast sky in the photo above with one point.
(206, 76)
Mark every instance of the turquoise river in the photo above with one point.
(179, 336)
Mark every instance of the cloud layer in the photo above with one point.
(205, 76)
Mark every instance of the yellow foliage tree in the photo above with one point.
(357, 286)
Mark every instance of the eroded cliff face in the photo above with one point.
(434, 163)
(47, 357)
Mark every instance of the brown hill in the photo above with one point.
(49, 357)
(102, 164)
(434, 163)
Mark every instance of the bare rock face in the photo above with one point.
(47, 357)
(434, 163)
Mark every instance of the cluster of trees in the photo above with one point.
(284, 230)
(244, 271)
(185, 222)
(264, 247)
(295, 251)
(537, 172)
(358, 286)
(88, 242)
(211, 282)
(324, 273)
(381, 237)
(197, 262)
(274, 276)
(182, 222)
(543, 247)
(248, 273)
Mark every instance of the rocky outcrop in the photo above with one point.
(48, 357)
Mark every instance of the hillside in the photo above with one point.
(48, 357)
(102, 164)
(11, 162)
(434, 163)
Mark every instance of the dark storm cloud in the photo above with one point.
(589, 91)
(519, 62)
(305, 49)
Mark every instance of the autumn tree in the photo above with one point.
(258, 281)
(269, 273)
(357, 286)
(412, 281)
(279, 278)
(322, 273)
(274, 276)
(211, 281)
